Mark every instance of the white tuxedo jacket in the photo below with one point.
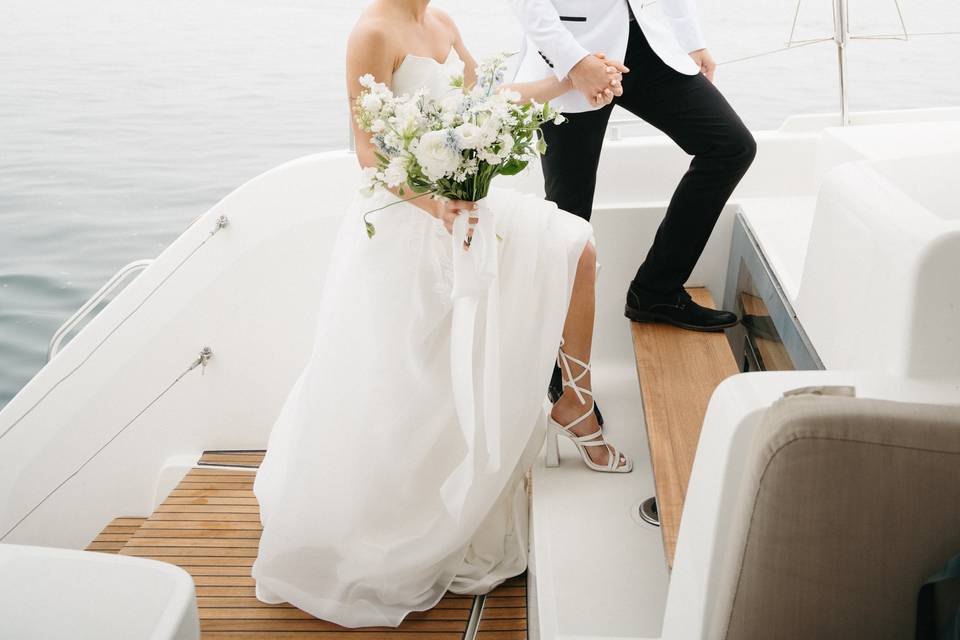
(559, 33)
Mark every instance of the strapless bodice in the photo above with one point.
(419, 72)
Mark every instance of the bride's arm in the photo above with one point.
(368, 51)
(539, 90)
(550, 87)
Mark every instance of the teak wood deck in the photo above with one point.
(678, 371)
(210, 526)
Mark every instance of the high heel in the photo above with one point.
(555, 429)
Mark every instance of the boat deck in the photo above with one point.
(210, 526)
(678, 372)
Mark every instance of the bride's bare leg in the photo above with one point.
(577, 342)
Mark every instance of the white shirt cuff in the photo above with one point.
(568, 59)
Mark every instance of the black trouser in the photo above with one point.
(695, 115)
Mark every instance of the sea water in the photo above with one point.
(121, 121)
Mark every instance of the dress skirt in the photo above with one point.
(396, 468)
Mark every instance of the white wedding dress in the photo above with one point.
(396, 469)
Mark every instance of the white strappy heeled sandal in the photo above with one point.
(595, 439)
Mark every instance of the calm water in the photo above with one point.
(123, 120)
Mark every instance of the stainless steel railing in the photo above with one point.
(56, 342)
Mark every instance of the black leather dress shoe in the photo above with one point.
(677, 309)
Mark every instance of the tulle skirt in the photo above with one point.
(396, 469)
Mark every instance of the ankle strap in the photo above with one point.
(563, 361)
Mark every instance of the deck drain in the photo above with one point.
(648, 512)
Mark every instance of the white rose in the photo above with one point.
(470, 136)
(436, 155)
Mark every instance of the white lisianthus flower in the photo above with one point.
(396, 172)
(488, 156)
(371, 102)
(368, 181)
(367, 81)
(392, 140)
(559, 119)
(450, 108)
(436, 155)
(452, 102)
(470, 136)
(408, 116)
(506, 145)
(489, 130)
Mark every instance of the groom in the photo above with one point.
(667, 81)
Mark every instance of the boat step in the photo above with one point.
(210, 526)
(678, 372)
(242, 458)
(115, 534)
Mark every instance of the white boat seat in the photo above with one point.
(846, 507)
(47, 592)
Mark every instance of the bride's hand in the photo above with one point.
(448, 210)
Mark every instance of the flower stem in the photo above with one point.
(369, 225)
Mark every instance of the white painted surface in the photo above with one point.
(62, 593)
(881, 282)
(782, 227)
(599, 571)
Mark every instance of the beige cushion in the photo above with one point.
(847, 506)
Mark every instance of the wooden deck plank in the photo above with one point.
(504, 615)
(232, 458)
(115, 534)
(502, 635)
(346, 634)
(678, 371)
(454, 626)
(210, 526)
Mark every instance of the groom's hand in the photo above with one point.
(705, 61)
(598, 79)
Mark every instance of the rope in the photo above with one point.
(800, 45)
(201, 360)
(805, 43)
(221, 223)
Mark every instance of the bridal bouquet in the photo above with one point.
(452, 147)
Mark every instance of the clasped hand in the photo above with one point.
(448, 210)
(598, 78)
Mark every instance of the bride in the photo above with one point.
(377, 492)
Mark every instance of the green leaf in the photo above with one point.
(371, 230)
(513, 167)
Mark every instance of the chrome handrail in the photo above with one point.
(111, 285)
